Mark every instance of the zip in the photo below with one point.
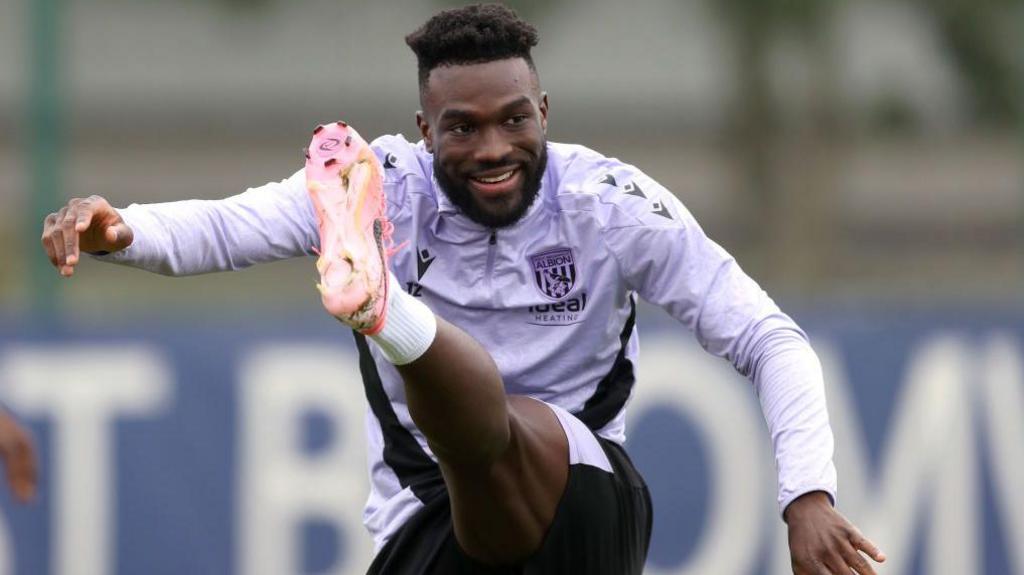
(491, 250)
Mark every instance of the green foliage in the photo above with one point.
(985, 57)
(982, 37)
(774, 14)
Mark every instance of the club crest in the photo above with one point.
(554, 272)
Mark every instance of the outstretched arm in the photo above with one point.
(673, 264)
(263, 224)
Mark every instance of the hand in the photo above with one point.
(821, 541)
(19, 458)
(89, 225)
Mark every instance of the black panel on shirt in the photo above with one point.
(402, 452)
(614, 388)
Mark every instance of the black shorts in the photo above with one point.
(602, 526)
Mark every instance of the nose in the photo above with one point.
(493, 147)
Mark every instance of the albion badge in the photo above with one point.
(554, 272)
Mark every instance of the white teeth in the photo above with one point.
(497, 179)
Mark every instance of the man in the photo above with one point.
(497, 349)
(19, 457)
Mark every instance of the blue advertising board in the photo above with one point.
(237, 447)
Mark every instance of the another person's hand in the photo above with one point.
(83, 225)
(19, 457)
(821, 541)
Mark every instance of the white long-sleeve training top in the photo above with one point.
(552, 298)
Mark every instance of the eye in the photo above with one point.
(460, 129)
(517, 119)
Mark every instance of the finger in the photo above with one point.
(862, 543)
(57, 242)
(835, 563)
(67, 225)
(63, 268)
(856, 561)
(50, 252)
(57, 234)
(47, 239)
(119, 235)
(48, 223)
(821, 569)
(84, 216)
(810, 567)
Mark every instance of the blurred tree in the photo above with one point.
(983, 39)
(46, 138)
(789, 171)
(793, 217)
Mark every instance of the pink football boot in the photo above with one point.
(344, 180)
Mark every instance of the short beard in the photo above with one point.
(460, 195)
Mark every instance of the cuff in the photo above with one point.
(784, 502)
(134, 250)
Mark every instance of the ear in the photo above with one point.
(544, 112)
(428, 138)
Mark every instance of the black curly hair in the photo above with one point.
(470, 35)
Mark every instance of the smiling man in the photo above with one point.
(488, 120)
(498, 350)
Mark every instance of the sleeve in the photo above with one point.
(666, 257)
(267, 223)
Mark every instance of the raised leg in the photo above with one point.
(504, 458)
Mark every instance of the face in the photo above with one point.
(485, 124)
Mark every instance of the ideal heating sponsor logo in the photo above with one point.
(561, 313)
(554, 275)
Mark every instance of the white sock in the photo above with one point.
(409, 327)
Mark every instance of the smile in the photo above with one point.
(496, 185)
(496, 179)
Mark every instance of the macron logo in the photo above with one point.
(423, 261)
